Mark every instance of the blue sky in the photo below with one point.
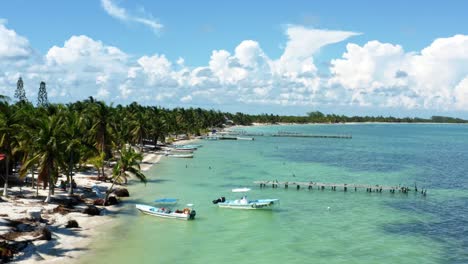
(292, 56)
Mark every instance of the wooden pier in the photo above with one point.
(341, 186)
(288, 134)
(310, 135)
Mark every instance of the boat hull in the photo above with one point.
(183, 156)
(155, 211)
(193, 147)
(176, 150)
(261, 204)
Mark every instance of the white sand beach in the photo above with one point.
(67, 244)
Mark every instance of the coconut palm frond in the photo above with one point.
(138, 174)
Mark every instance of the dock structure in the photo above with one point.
(288, 134)
(341, 186)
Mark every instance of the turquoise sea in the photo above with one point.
(310, 226)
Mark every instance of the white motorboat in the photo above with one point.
(181, 147)
(190, 146)
(246, 204)
(245, 138)
(180, 155)
(177, 150)
(185, 214)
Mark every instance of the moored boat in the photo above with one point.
(227, 138)
(189, 156)
(245, 138)
(185, 214)
(177, 150)
(182, 147)
(190, 146)
(244, 203)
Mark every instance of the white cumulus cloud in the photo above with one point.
(384, 74)
(12, 45)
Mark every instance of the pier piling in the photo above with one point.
(333, 186)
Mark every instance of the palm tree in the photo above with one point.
(7, 139)
(127, 164)
(24, 133)
(157, 125)
(4, 98)
(74, 141)
(49, 145)
(138, 124)
(101, 129)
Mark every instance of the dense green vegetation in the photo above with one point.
(318, 117)
(55, 139)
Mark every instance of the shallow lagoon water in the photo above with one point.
(310, 226)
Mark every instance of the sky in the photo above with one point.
(400, 58)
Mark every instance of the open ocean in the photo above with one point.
(310, 226)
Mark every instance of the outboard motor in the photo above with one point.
(219, 200)
(192, 214)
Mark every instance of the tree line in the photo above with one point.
(319, 117)
(56, 139)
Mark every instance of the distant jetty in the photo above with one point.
(342, 186)
(289, 134)
(303, 135)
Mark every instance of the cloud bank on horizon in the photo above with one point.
(375, 74)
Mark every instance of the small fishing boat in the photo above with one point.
(191, 146)
(227, 138)
(180, 155)
(166, 201)
(185, 214)
(183, 147)
(245, 138)
(246, 204)
(180, 150)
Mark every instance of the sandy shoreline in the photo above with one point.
(67, 244)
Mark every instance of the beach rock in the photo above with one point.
(42, 233)
(6, 253)
(112, 200)
(68, 201)
(72, 224)
(63, 210)
(98, 201)
(121, 192)
(34, 214)
(91, 210)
